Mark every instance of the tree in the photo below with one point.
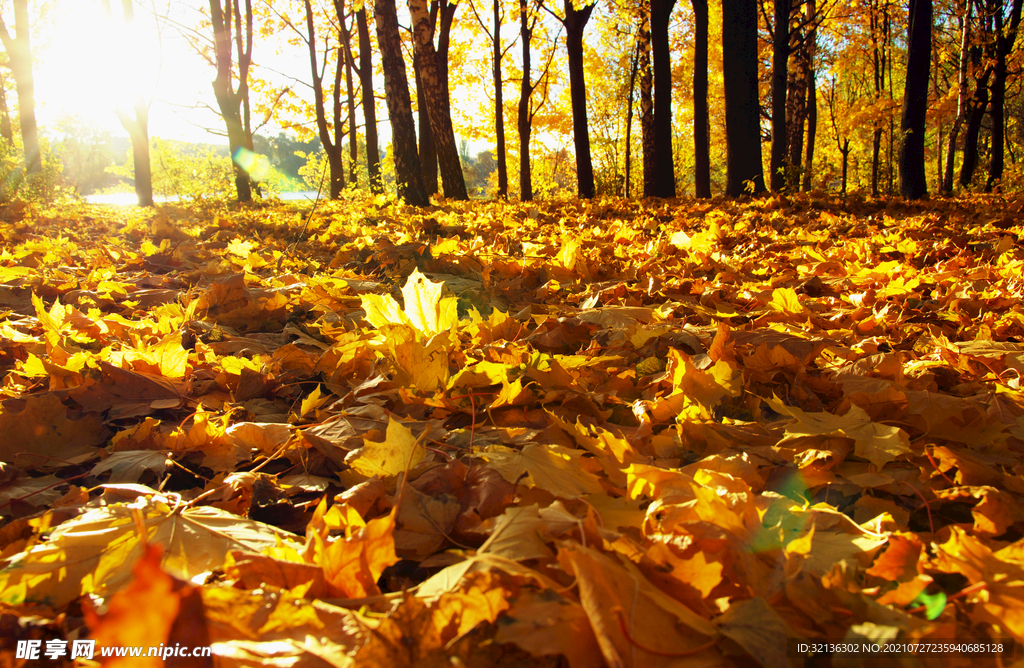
(880, 23)
(779, 34)
(396, 92)
(346, 46)
(665, 179)
(1005, 36)
(19, 53)
(526, 110)
(810, 44)
(428, 154)
(744, 172)
(369, 104)
(701, 122)
(232, 40)
(842, 140)
(497, 55)
(438, 109)
(811, 17)
(332, 145)
(643, 46)
(6, 129)
(964, 19)
(574, 21)
(913, 183)
(136, 126)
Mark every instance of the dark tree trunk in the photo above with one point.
(575, 21)
(353, 145)
(701, 121)
(523, 124)
(845, 150)
(629, 122)
(975, 115)
(428, 155)
(742, 110)
(369, 105)
(438, 109)
(19, 52)
(396, 91)
(446, 14)
(647, 108)
(812, 94)
(6, 129)
(499, 111)
(339, 133)
(780, 78)
(665, 179)
(812, 131)
(913, 181)
(961, 99)
(139, 136)
(332, 145)
(796, 110)
(887, 23)
(234, 101)
(878, 61)
(136, 126)
(876, 159)
(1004, 45)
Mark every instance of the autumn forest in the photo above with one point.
(511, 333)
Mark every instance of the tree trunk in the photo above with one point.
(892, 117)
(780, 78)
(812, 94)
(665, 180)
(744, 172)
(812, 131)
(961, 98)
(137, 127)
(701, 122)
(523, 120)
(845, 150)
(353, 144)
(369, 105)
(499, 111)
(452, 178)
(332, 146)
(913, 181)
(446, 15)
(233, 101)
(396, 91)
(647, 108)
(878, 60)
(428, 155)
(19, 52)
(1004, 45)
(6, 129)
(976, 113)
(575, 21)
(629, 121)
(796, 110)
(339, 133)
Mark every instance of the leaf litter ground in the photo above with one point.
(577, 434)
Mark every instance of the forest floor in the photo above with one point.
(567, 434)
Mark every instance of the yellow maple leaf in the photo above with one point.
(425, 308)
(398, 452)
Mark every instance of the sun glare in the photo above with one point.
(90, 64)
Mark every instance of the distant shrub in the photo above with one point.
(16, 185)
